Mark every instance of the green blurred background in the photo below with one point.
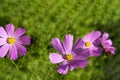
(45, 19)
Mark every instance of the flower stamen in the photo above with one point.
(87, 44)
(68, 57)
(11, 40)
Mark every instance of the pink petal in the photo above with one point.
(25, 40)
(78, 63)
(105, 45)
(4, 50)
(19, 32)
(57, 45)
(13, 52)
(72, 68)
(63, 68)
(109, 42)
(3, 32)
(95, 35)
(110, 49)
(21, 49)
(105, 36)
(96, 52)
(81, 54)
(87, 36)
(55, 58)
(78, 44)
(10, 29)
(92, 36)
(68, 42)
(83, 64)
(2, 41)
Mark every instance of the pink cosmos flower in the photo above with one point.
(12, 42)
(90, 42)
(107, 44)
(70, 56)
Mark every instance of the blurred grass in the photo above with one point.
(45, 19)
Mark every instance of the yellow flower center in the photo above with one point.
(10, 40)
(68, 57)
(87, 44)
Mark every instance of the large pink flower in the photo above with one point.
(12, 41)
(70, 56)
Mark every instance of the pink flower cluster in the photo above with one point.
(75, 56)
(70, 55)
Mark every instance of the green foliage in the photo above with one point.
(45, 19)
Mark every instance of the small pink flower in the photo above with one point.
(12, 42)
(90, 42)
(107, 44)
